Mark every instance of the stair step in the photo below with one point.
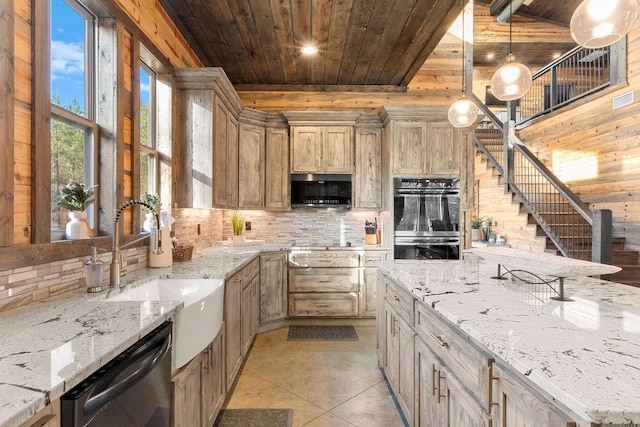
(622, 257)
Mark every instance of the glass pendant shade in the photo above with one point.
(511, 81)
(599, 23)
(463, 113)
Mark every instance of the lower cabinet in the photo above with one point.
(514, 405)
(399, 360)
(441, 400)
(233, 322)
(49, 416)
(273, 286)
(198, 389)
(249, 312)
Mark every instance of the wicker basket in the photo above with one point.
(182, 253)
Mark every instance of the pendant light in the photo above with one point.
(463, 112)
(513, 79)
(600, 23)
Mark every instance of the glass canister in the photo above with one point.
(93, 272)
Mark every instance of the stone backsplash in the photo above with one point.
(201, 228)
(303, 226)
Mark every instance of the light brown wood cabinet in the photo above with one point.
(368, 284)
(367, 187)
(250, 306)
(425, 148)
(518, 406)
(233, 330)
(49, 416)
(251, 170)
(321, 149)
(273, 286)
(225, 157)
(277, 185)
(198, 389)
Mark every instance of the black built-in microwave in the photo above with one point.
(321, 190)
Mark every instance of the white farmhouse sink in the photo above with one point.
(197, 323)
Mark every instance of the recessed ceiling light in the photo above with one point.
(556, 55)
(309, 50)
(490, 55)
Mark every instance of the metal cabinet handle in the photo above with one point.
(441, 377)
(492, 378)
(439, 340)
(322, 305)
(395, 297)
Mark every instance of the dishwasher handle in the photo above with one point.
(101, 395)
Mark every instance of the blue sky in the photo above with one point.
(67, 55)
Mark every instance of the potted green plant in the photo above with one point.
(76, 198)
(476, 228)
(153, 200)
(238, 226)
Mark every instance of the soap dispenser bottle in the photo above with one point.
(93, 272)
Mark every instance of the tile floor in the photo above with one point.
(326, 383)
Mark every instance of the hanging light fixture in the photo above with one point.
(600, 23)
(463, 112)
(513, 79)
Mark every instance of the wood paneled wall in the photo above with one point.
(596, 150)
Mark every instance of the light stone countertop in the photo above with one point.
(50, 346)
(584, 354)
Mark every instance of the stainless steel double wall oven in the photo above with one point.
(426, 215)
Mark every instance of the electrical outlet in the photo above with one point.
(247, 225)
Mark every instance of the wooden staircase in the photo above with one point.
(577, 239)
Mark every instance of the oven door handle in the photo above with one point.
(101, 395)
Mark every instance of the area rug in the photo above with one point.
(322, 333)
(255, 418)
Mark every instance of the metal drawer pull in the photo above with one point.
(324, 281)
(492, 378)
(439, 339)
(395, 297)
(322, 305)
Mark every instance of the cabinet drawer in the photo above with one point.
(251, 270)
(325, 305)
(372, 258)
(400, 299)
(324, 259)
(323, 280)
(463, 359)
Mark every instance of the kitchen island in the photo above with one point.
(580, 358)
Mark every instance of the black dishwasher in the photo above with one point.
(132, 390)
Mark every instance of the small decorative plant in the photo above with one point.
(237, 223)
(76, 197)
(152, 200)
(477, 223)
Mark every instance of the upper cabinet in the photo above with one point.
(422, 142)
(321, 149)
(277, 185)
(251, 161)
(367, 180)
(322, 142)
(206, 139)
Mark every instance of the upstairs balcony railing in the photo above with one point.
(575, 74)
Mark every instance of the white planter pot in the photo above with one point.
(239, 239)
(475, 234)
(78, 227)
(149, 223)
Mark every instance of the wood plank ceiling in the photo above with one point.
(372, 44)
(364, 45)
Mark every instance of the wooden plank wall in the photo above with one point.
(596, 150)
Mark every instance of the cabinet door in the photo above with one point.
(245, 321)
(273, 287)
(515, 405)
(251, 166)
(368, 176)
(306, 149)
(399, 366)
(381, 319)
(186, 389)
(221, 168)
(232, 158)
(391, 348)
(409, 148)
(232, 312)
(337, 149)
(368, 293)
(443, 154)
(255, 305)
(429, 396)
(277, 170)
(213, 383)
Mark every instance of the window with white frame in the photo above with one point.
(73, 125)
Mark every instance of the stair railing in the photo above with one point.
(567, 221)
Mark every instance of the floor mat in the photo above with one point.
(322, 333)
(255, 418)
